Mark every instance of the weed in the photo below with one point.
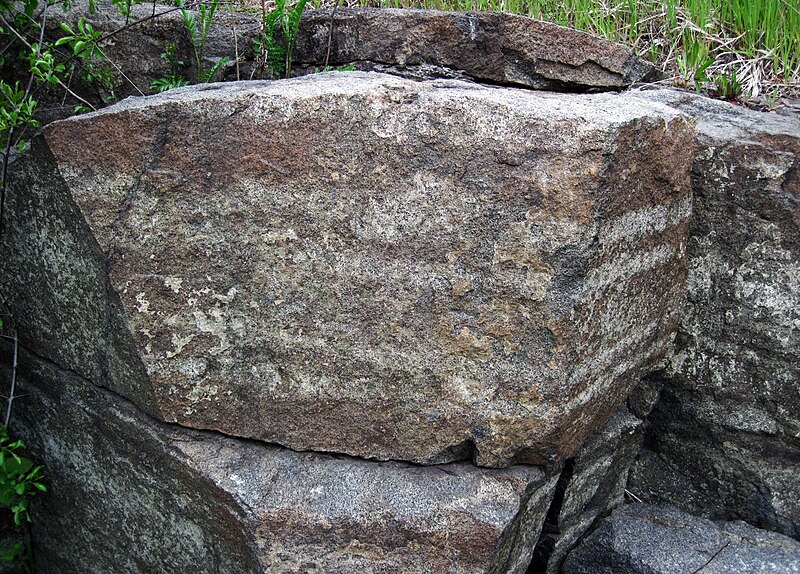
(84, 46)
(198, 33)
(20, 480)
(174, 78)
(728, 86)
(276, 42)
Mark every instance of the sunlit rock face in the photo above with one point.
(357, 263)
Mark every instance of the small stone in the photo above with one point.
(644, 539)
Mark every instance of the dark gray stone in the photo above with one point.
(725, 437)
(644, 539)
(489, 47)
(593, 483)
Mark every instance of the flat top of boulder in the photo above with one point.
(721, 120)
(602, 110)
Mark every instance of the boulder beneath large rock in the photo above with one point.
(130, 494)
(725, 438)
(593, 482)
(644, 539)
(362, 264)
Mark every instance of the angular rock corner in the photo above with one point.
(384, 268)
(353, 322)
(725, 436)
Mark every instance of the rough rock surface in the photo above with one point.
(644, 539)
(489, 47)
(129, 494)
(593, 482)
(725, 440)
(485, 47)
(362, 264)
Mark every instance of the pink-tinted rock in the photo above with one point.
(129, 494)
(363, 264)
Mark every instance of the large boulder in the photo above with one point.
(130, 494)
(644, 539)
(361, 264)
(725, 440)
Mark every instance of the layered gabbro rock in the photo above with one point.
(368, 265)
(133, 494)
(725, 440)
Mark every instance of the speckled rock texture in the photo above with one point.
(593, 482)
(362, 264)
(725, 437)
(130, 494)
(489, 47)
(644, 539)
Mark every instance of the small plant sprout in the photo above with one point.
(198, 29)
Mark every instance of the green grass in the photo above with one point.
(752, 44)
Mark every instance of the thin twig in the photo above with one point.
(38, 51)
(113, 63)
(236, 49)
(10, 402)
(330, 36)
(632, 495)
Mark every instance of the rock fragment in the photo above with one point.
(644, 539)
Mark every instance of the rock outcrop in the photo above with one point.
(644, 539)
(725, 437)
(362, 264)
(405, 282)
(135, 494)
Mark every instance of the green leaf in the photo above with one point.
(17, 465)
